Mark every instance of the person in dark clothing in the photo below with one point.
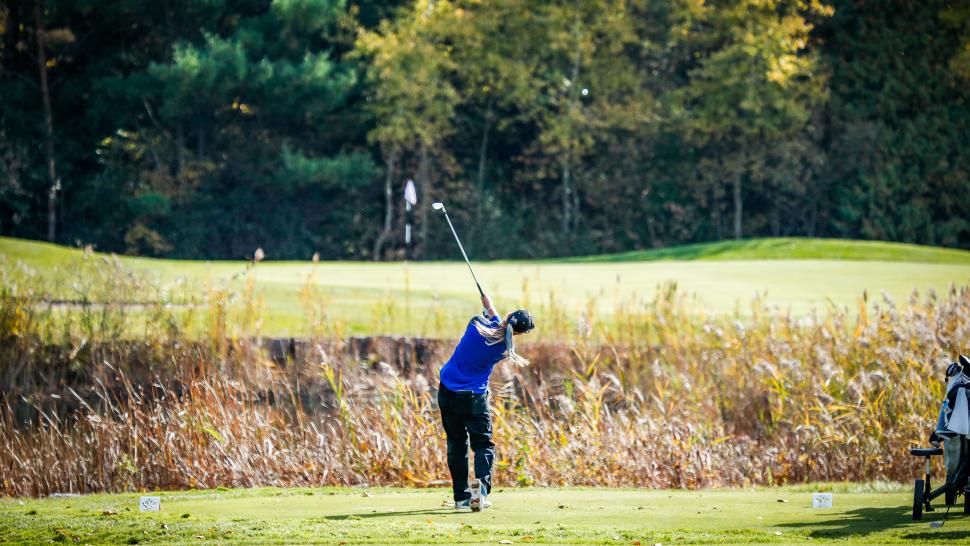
(463, 398)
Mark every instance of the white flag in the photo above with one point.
(410, 194)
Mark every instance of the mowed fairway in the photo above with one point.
(411, 298)
(860, 515)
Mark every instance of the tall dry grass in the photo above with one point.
(661, 396)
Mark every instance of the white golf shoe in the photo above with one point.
(479, 500)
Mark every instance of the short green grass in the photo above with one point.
(411, 298)
(788, 248)
(860, 515)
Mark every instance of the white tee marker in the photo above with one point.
(150, 504)
(821, 500)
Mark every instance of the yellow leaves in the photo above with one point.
(242, 107)
(409, 478)
(782, 68)
(410, 62)
(214, 434)
(59, 36)
(15, 322)
(819, 7)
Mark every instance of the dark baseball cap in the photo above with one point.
(521, 321)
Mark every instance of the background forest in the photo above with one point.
(207, 128)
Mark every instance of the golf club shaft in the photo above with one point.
(467, 261)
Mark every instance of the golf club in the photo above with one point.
(441, 207)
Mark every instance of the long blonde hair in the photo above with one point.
(497, 334)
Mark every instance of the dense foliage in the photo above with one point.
(208, 128)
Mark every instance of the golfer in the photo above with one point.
(463, 398)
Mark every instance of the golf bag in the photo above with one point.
(953, 432)
(953, 424)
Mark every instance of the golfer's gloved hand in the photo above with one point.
(935, 439)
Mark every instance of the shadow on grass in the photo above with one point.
(439, 511)
(864, 521)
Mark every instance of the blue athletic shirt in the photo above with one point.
(472, 362)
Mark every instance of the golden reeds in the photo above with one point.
(658, 395)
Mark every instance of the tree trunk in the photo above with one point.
(776, 228)
(577, 211)
(566, 191)
(716, 214)
(812, 216)
(482, 158)
(157, 159)
(423, 182)
(53, 182)
(388, 205)
(738, 207)
(200, 143)
(179, 150)
(567, 198)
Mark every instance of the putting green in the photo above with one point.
(860, 515)
(429, 298)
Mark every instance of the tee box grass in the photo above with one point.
(860, 515)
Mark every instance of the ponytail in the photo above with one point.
(497, 334)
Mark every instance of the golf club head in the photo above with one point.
(437, 206)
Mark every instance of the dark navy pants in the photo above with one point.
(465, 416)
